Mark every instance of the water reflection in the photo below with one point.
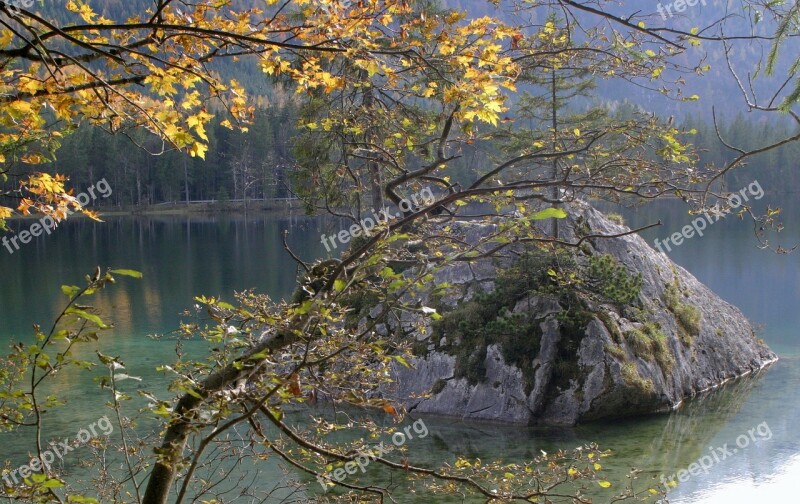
(185, 256)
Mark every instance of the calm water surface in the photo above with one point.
(182, 257)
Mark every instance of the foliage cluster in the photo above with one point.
(489, 318)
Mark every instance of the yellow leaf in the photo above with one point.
(33, 158)
(577, 132)
(191, 100)
(6, 37)
(20, 109)
(604, 483)
(597, 466)
(87, 13)
(198, 150)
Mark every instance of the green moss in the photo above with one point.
(689, 319)
(640, 344)
(636, 314)
(617, 351)
(616, 218)
(611, 325)
(631, 377)
(650, 343)
(672, 295)
(687, 316)
(660, 348)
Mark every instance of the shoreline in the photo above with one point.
(200, 208)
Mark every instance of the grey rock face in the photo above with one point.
(612, 377)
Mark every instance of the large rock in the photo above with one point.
(680, 341)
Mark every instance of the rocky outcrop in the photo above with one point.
(548, 355)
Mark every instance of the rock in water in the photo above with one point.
(516, 347)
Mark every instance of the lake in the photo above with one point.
(182, 257)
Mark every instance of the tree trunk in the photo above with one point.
(171, 451)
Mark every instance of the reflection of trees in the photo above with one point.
(656, 444)
(688, 432)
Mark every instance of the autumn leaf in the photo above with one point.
(294, 385)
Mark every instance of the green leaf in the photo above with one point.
(549, 213)
(52, 483)
(304, 308)
(61, 335)
(87, 316)
(401, 360)
(70, 290)
(192, 392)
(127, 272)
(339, 285)
(387, 272)
(80, 498)
(162, 411)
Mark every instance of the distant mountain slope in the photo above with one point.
(717, 88)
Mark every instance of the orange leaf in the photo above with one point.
(294, 385)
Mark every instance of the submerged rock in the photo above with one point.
(520, 345)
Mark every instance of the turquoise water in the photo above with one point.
(186, 256)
